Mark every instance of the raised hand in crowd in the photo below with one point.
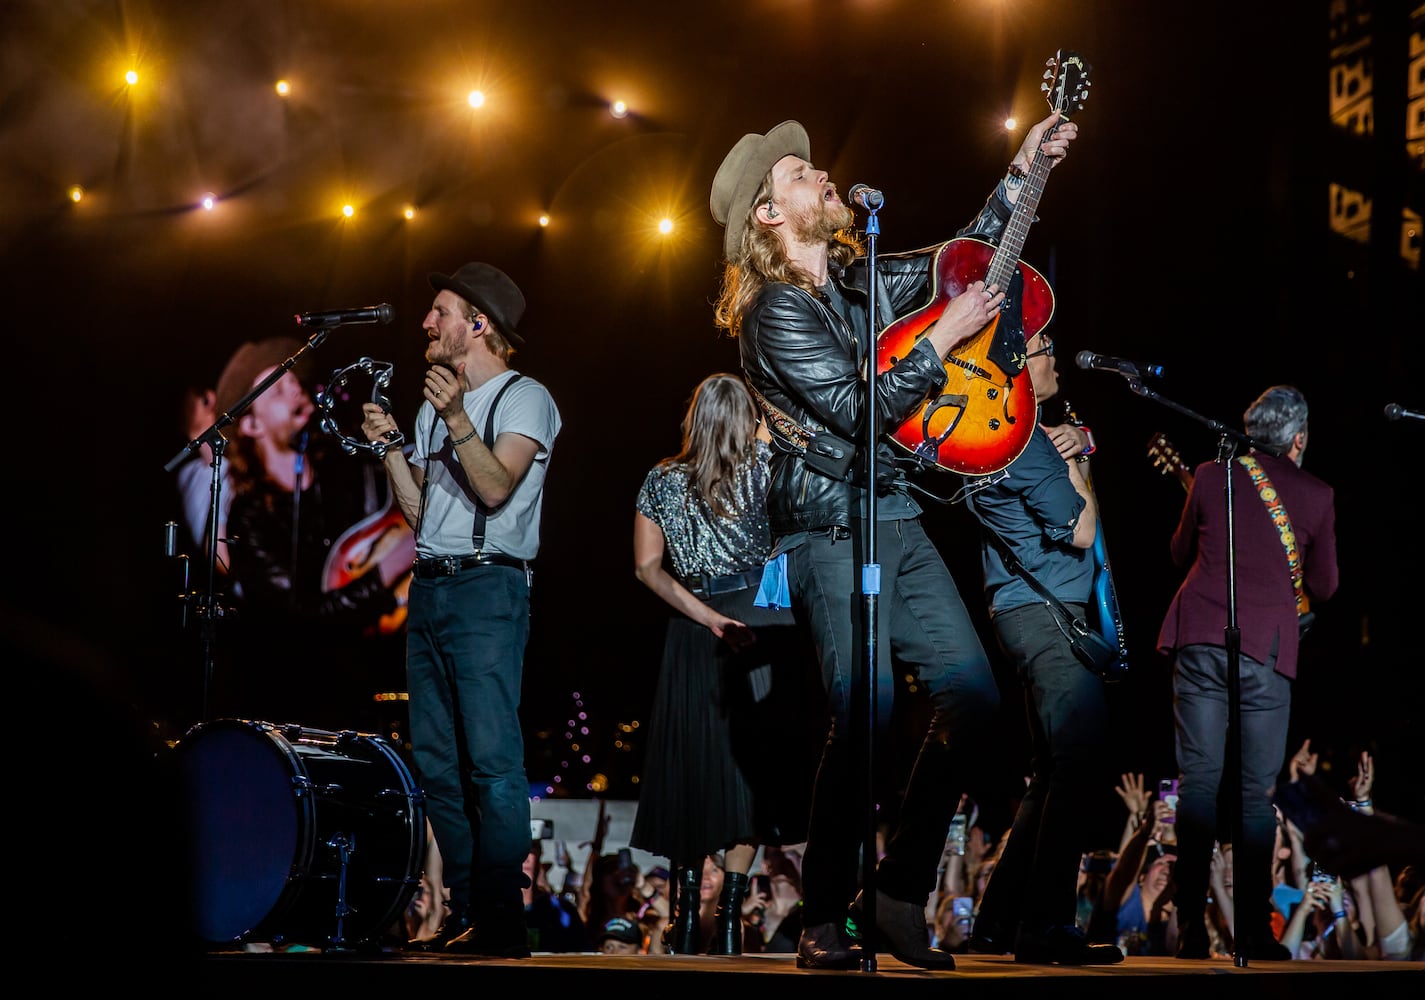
(1136, 800)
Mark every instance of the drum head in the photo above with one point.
(244, 823)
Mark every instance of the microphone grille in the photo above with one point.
(1084, 359)
(1393, 411)
(384, 312)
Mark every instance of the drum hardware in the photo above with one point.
(380, 373)
(275, 814)
(344, 846)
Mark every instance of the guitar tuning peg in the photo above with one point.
(1044, 88)
(1049, 74)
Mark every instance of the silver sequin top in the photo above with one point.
(696, 540)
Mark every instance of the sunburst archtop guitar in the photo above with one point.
(983, 418)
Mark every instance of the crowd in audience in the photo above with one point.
(1353, 909)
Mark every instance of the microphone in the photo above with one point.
(343, 317)
(866, 196)
(1136, 369)
(1394, 411)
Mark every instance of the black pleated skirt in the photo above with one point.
(734, 738)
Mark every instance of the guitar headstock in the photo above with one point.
(1166, 459)
(1066, 82)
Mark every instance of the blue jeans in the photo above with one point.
(925, 629)
(465, 646)
(1035, 879)
(1200, 710)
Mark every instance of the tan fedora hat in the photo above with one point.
(741, 175)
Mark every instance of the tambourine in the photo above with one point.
(336, 397)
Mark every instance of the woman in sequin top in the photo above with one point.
(731, 671)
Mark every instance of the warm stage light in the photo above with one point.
(131, 77)
(348, 210)
(665, 226)
(76, 193)
(1009, 124)
(476, 99)
(410, 212)
(544, 220)
(209, 200)
(618, 109)
(283, 88)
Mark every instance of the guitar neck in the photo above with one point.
(1007, 256)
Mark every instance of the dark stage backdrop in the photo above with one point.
(1189, 227)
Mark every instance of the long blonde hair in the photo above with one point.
(762, 258)
(718, 431)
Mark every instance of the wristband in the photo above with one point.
(1092, 446)
(1339, 915)
(461, 440)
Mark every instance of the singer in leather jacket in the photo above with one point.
(796, 292)
(807, 360)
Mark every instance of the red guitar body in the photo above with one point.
(984, 417)
(361, 548)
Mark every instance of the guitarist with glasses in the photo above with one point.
(1044, 511)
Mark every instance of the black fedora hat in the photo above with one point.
(490, 290)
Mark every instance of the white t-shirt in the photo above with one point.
(448, 520)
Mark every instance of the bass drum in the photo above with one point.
(296, 835)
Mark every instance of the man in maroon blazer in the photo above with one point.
(1193, 633)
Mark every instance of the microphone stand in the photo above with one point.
(1227, 442)
(209, 609)
(870, 599)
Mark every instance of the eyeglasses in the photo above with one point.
(1048, 348)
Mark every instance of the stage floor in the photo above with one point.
(978, 976)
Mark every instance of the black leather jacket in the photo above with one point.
(802, 356)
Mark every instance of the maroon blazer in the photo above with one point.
(1266, 602)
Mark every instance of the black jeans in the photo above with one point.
(1035, 879)
(923, 628)
(1200, 710)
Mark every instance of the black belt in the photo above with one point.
(450, 565)
(706, 586)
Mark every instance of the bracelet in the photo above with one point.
(1339, 915)
(1017, 172)
(456, 443)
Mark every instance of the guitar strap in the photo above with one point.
(1013, 564)
(1273, 503)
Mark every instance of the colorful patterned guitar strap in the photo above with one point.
(1269, 496)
